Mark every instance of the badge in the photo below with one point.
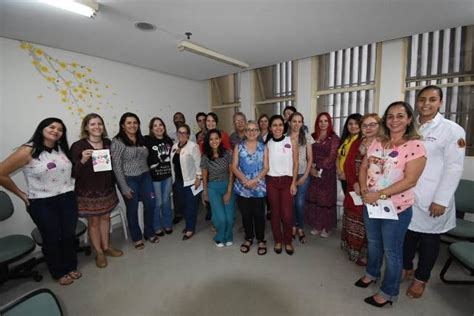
(461, 143)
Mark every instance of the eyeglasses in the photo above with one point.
(251, 130)
(239, 121)
(371, 125)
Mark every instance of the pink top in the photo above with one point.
(387, 166)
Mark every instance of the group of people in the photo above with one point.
(270, 168)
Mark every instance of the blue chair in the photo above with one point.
(464, 198)
(13, 248)
(40, 302)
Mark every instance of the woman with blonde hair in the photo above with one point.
(95, 191)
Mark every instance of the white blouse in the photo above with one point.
(48, 175)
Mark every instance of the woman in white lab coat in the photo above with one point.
(434, 209)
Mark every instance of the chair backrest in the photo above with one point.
(464, 196)
(6, 206)
(37, 302)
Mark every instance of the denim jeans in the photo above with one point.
(223, 215)
(188, 203)
(385, 237)
(143, 190)
(162, 214)
(56, 219)
(298, 203)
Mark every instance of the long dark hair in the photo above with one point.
(123, 136)
(301, 132)
(166, 138)
(37, 139)
(410, 132)
(208, 148)
(345, 130)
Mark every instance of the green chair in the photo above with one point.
(40, 302)
(463, 253)
(13, 248)
(464, 198)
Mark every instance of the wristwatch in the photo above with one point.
(383, 196)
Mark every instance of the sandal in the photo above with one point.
(160, 233)
(75, 274)
(277, 249)
(245, 247)
(154, 239)
(65, 280)
(139, 245)
(302, 236)
(262, 250)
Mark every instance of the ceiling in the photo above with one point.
(258, 32)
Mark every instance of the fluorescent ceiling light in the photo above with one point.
(83, 7)
(209, 53)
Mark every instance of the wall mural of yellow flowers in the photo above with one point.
(74, 84)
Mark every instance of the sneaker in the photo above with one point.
(315, 232)
(219, 244)
(325, 234)
(229, 243)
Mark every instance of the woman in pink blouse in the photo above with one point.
(389, 171)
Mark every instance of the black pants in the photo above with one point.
(56, 219)
(253, 217)
(427, 246)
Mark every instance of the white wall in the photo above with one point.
(26, 97)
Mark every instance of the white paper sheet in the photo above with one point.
(101, 160)
(383, 209)
(198, 190)
(356, 198)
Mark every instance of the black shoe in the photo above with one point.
(277, 250)
(289, 250)
(362, 284)
(169, 231)
(186, 237)
(370, 300)
(161, 233)
(177, 219)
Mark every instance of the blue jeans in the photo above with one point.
(142, 187)
(385, 237)
(222, 214)
(162, 214)
(298, 203)
(188, 203)
(56, 219)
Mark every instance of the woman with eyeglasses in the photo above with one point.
(250, 165)
(186, 171)
(129, 161)
(320, 206)
(399, 159)
(350, 133)
(353, 238)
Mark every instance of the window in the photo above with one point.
(346, 82)
(275, 88)
(445, 58)
(225, 99)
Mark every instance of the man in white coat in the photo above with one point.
(434, 210)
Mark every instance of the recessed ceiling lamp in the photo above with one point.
(186, 45)
(83, 7)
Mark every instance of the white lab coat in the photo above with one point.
(445, 150)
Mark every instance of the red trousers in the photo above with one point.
(281, 204)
